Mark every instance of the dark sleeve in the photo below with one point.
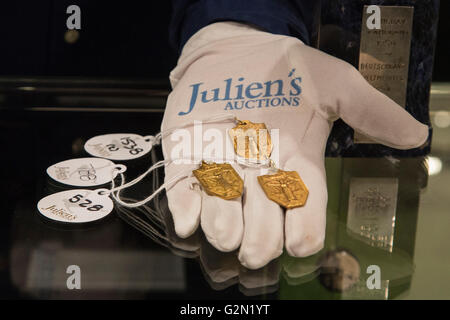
(285, 17)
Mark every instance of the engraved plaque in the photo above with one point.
(372, 208)
(384, 54)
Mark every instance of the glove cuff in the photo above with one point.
(217, 31)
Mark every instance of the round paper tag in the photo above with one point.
(118, 146)
(85, 172)
(76, 206)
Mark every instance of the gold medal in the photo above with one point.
(219, 179)
(251, 140)
(285, 188)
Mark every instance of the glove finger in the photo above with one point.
(188, 247)
(184, 201)
(221, 221)
(374, 114)
(305, 226)
(263, 225)
(342, 92)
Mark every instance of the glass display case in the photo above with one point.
(387, 216)
(385, 212)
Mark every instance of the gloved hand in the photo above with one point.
(232, 68)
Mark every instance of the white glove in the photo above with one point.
(232, 68)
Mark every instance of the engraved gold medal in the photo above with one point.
(251, 140)
(219, 179)
(285, 188)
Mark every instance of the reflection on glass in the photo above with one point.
(372, 216)
(371, 220)
(221, 270)
(340, 270)
(378, 211)
(110, 266)
(371, 210)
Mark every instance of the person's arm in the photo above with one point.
(285, 17)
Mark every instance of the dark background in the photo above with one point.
(441, 63)
(117, 40)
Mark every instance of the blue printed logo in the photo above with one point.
(239, 95)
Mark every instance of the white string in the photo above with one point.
(156, 140)
(150, 197)
(166, 185)
(144, 226)
(142, 176)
